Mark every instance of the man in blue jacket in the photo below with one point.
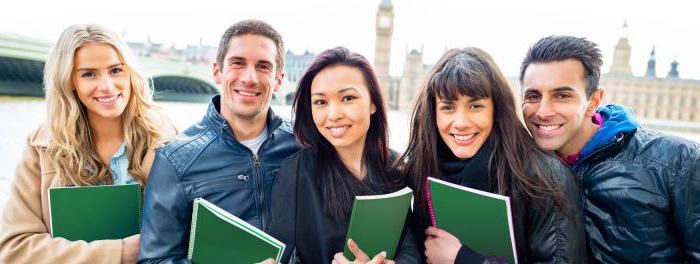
(232, 156)
(641, 188)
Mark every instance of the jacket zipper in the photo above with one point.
(257, 164)
(261, 189)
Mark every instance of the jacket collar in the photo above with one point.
(214, 117)
(42, 136)
(617, 121)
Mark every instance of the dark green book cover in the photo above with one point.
(377, 221)
(95, 212)
(216, 236)
(481, 220)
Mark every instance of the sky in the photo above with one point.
(505, 29)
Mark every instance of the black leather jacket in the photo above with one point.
(207, 161)
(642, 199)
(298, 218)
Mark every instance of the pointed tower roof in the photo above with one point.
(651, 64)
(621, 54)
(673, 73)
(386, 4)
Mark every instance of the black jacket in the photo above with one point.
(543, 234)
(642, 199)
(298, 218)
(641, 192)
(207, 161)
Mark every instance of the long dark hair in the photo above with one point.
(514, 160)
(338, 185)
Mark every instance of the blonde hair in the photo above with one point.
(71, 147)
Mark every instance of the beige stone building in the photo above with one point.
(655, 99)
(382, 52)
(652, 97)
(399, 91)
(414, 72)
(667, 103)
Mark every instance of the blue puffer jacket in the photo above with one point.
(207, 161)
(641, 193)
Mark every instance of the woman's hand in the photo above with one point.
(267, 261)
(130, 249)
(441, 246)
(360, 256)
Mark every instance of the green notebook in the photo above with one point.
(481, 220)
(377, 222)
(95, 212)
(216, 236)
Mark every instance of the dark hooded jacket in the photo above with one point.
(641, 193)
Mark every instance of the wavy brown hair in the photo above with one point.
(72, 147)
(514, 163)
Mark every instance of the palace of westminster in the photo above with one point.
(652, 96)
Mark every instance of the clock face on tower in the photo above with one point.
(384, 22)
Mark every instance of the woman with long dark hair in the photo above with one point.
(340, 120)
(465, 130)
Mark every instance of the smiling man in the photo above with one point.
(641, 187)
(232, 156)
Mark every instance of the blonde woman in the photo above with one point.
(101, 129)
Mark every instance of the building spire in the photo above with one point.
(651, 64)
(382, 50)
(386, 4)
(625, 30)
(673, 73)
(621, 54)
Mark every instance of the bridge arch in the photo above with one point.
(182, 88)
(20, 76)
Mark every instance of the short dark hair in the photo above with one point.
(253, 27)
(560, 48)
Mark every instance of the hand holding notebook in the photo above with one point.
(377, 221)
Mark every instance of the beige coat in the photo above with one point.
(25, 228)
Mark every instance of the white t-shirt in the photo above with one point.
(254, 144)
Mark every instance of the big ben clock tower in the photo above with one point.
(382, 53)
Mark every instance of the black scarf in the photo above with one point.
(472, 172)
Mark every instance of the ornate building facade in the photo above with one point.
(660, 101)
(652, 97)
(382, 48)
(294, 67)
(399, 91)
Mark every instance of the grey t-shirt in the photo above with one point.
(254, 144)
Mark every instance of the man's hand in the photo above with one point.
(441, 246)
(360, 256)
(267, 261)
